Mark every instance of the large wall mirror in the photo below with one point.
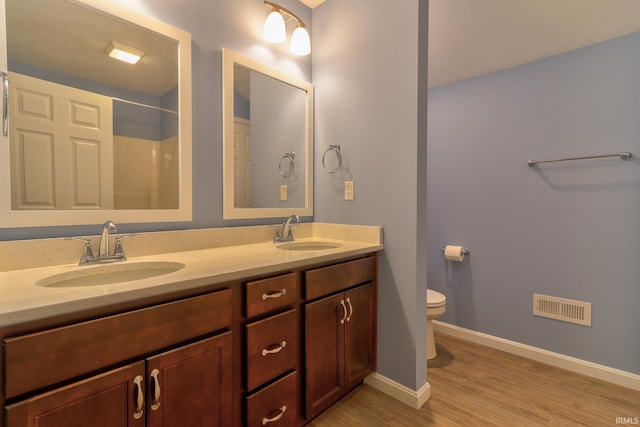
(268, 141)
(91, 137)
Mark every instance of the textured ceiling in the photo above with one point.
(469, 38)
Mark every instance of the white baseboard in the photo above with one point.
(414, 399)
(601, 372)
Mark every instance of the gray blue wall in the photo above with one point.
(370, 98)
(570, 230)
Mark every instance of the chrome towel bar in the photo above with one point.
(624, 156)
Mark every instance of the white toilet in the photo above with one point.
(435, 308)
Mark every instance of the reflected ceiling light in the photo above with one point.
(124, 53)
(275, 29)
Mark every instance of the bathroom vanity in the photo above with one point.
(271, 337)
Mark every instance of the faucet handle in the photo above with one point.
(88, 251)
(118, 251)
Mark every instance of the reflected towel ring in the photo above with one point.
(287, 173)
(336, 148)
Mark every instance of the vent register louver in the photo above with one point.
(562, 309)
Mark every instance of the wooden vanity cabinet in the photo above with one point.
(106, 400)
(340, 331)
(191, 385)
(170, 385)
(270, 351)
(185, 386)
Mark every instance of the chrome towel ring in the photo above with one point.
(336, 149)
(288, 160)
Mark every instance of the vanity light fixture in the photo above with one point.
(124, 53)
(275, 29)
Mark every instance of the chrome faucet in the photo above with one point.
(103, 248)
(284, 233)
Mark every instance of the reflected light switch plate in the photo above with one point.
(283, 192)
(348, 190)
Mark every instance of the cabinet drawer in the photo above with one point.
(45, 358)
(276, 405)
(272, 293)
(334, 278)
(272, 347)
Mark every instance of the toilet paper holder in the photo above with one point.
(464, 251)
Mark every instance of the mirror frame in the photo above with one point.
(37, 218)
(229, 59)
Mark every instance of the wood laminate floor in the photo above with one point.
(474, 385)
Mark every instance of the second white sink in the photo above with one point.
(108, 274)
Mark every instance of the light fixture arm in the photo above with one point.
(288, 15)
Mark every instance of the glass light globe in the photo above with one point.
(300, 42)
(274, 28)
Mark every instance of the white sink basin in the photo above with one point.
(308, 246)
(109, 274)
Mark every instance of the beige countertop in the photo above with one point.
(22, 299)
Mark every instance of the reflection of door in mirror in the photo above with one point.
(242, 162)
(63, 163)
(120, 150)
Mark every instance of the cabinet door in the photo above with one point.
(360, 334)
(191, 386)
(107, 400)
(324, 359)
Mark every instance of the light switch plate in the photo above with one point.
(348, 190)
(283, 192)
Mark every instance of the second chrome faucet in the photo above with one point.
(104, 256)
(284, 232)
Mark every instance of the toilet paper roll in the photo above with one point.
(454, 253)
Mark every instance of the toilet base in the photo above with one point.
(432, 313)
(431, 342)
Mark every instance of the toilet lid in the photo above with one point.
(435, 298)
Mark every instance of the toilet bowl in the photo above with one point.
(435, 308)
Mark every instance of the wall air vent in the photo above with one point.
(562, 309)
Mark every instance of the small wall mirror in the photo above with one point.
(268, 141)
(91, 137)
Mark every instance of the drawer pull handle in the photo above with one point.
(155, 389)
(266, 420)
(277, 348)
(276, 294)
(350, 310)
(139, 396)
(344, 307)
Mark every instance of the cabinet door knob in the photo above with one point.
(277, 348)
(344, 308)
(266, 420)
(139, 397)
(276, 294)
(155, 389)
(350, 310)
